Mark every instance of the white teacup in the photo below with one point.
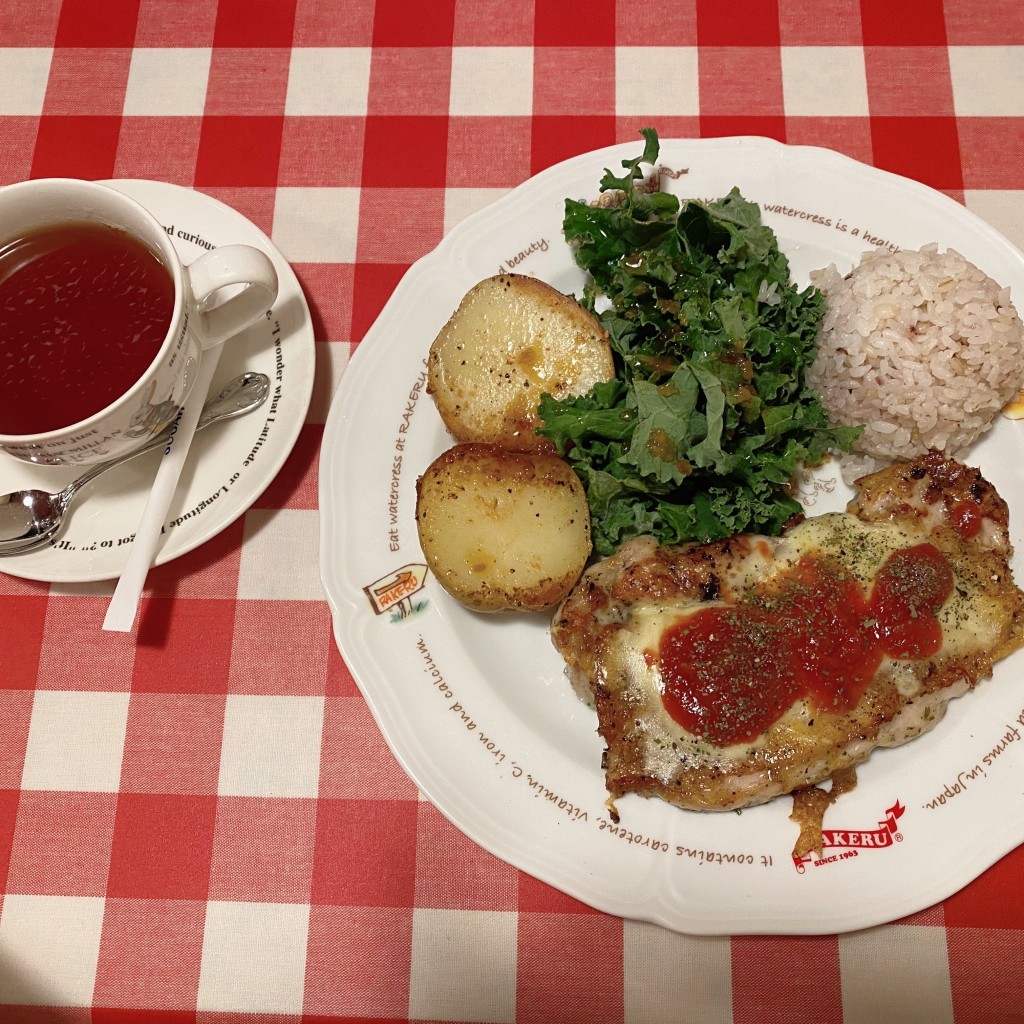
(200, 316)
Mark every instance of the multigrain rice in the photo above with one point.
(919, 346)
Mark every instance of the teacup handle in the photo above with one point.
(222, 267)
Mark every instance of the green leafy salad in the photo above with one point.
(708, 419)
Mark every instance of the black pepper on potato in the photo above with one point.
(503, 530)
(511, 340)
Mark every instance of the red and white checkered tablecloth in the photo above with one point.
(199, 820)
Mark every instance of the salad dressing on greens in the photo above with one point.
(702, 430)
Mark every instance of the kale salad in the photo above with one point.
(708, 419)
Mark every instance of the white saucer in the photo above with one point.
(231, 463)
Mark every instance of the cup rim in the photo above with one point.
(170, 259)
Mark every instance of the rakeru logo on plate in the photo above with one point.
(851, 842)
(394, 592)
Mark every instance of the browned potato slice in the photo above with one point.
(512, 339)
(503, 530)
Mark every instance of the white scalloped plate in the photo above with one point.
(477, 708)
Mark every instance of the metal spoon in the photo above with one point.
(31, 519)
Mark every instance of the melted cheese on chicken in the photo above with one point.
(613, 628)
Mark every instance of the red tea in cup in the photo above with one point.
(102, 326)
(84, 310)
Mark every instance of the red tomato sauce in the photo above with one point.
(730, 672)
(966, 517)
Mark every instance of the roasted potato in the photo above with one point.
(503, 530)
(512, 339)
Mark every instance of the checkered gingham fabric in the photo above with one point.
(199, 820)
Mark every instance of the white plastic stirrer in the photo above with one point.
(124, 604)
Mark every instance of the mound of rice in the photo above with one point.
(921, 347)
